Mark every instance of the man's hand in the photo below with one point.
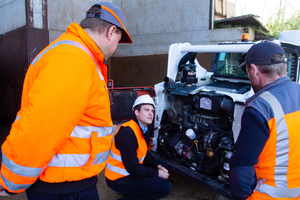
(163, 174)
(259, 182)
(159, 167)
(2, 192)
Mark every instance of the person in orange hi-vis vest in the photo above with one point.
(61, 137)
(266, 163)
(131, 170)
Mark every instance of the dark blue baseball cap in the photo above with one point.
(261, 54)
(112, 14)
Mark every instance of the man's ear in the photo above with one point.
(254, 70)
(112, 29)
(136, 112)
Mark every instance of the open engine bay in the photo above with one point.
(198, 116)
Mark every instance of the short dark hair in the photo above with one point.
(138, 107)
(278, 69)
(95, 24)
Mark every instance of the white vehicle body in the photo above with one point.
(198, 113)
(176, 52)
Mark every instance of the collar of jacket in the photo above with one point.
(136, 121)
(149, 131)
(267, 87)
(76, 30)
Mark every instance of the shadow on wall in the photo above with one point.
(146, 70)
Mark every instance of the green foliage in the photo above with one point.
(224, 25)
(217, 25)
(277, 24)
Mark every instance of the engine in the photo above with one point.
(196, 128)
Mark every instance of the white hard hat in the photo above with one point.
(143, 99)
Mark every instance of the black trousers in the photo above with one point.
(88, 194)
(144, 188)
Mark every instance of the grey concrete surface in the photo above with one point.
(13, 15)
(183, 189)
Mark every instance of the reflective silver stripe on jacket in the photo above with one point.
(101, 157)
(21, 170)
(118, 158)
(69, 42)
(86, 131)
(76, 160)
(117, 169)
(282, 150)
(14, 186)
(115, 156)
(18, 117)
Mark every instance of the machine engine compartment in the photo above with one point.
(196, 129)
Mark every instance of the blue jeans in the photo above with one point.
(88, 194)
(144, 188)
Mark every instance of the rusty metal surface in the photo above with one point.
(17, 49)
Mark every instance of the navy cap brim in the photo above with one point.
(243, 67)
(125, 37)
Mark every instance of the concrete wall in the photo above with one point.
(154, 25)
(13, 15)
(61, 13)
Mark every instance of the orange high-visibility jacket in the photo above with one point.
(115, 168)
(279, 160)
(63, 129)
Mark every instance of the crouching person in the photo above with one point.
(131, 170)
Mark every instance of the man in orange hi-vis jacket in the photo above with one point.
(265, 165)
(131, 170)
(62, 134)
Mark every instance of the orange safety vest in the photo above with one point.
(279, 161)
(115, 168)
(63, 130)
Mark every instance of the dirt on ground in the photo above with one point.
(183, 189)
